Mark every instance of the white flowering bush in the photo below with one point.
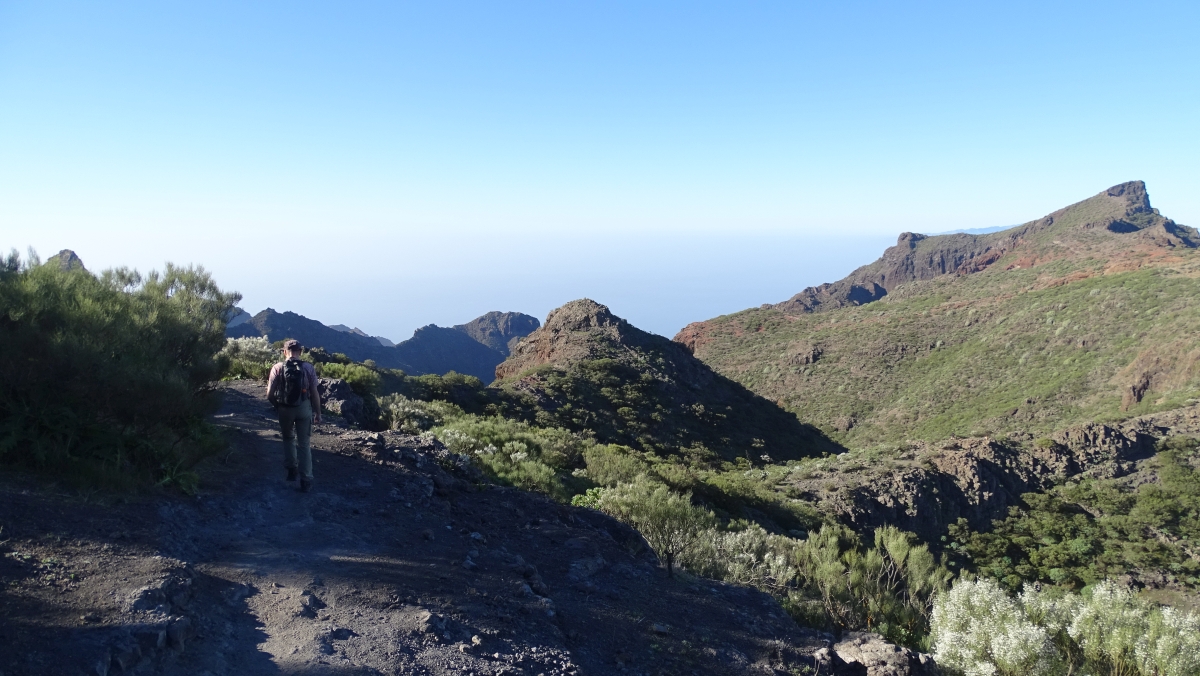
(248, 358)
(1171, 644)
(413, 416)
(751, 556)
(977, 629)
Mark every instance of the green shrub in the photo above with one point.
(413, 416)
(888, 588)
(363, 380)
(671, 524)
(108, 376)
(250, 358)
(513, 465)
(1093, 529)
(609, 465)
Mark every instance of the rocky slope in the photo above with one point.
(392, 565)
(925, 487)
(1088, 313)
(432, 349)
(586, 369)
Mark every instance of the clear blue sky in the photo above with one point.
(674, 160)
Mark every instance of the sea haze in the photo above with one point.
(660, 282)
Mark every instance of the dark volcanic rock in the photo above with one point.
(338, 398)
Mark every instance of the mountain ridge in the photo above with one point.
(1123, 208)
(1084, 314)
(431, 349)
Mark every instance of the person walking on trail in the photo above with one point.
(292, 390)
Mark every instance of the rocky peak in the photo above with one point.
(572, 333)
(500, 331)
(581, 315)
(66, 260)
(1134, 193)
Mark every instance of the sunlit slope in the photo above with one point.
(1087, 314)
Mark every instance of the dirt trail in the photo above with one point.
(391, 565)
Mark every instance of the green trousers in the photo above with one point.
(296, 423)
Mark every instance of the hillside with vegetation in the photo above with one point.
(1088, 314)
(918, 508)
(587, 369)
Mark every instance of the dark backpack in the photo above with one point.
(293, 386)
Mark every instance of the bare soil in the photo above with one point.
(391, 565)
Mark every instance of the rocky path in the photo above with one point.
(391, 565)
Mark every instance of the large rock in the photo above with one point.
(879, 658)
(339, 399)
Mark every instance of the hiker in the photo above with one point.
(292, 390)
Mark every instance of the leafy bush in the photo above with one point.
(610, 465)
(415, 416)
(671, 524)
(888, 588)
(513, 465)
(108, 376)
(248, 358)
(978, 629)
(363, 380)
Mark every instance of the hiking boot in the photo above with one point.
(305, 485)
(292, 474)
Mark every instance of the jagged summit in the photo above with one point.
(1087, 313)
(582, 314)
(583, 329)
(1111, 223)
(500, 330)
(66, 260)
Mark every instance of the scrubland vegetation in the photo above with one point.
(731, 521)
(1089, 530)
(986, 354)
(979, 629)
(107, 378)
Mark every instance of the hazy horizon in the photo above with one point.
(675, 161)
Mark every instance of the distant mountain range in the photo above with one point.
(474, 348)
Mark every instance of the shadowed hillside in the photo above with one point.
(587, 369)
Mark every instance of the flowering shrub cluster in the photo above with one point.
(250, 358)
(979, 630)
